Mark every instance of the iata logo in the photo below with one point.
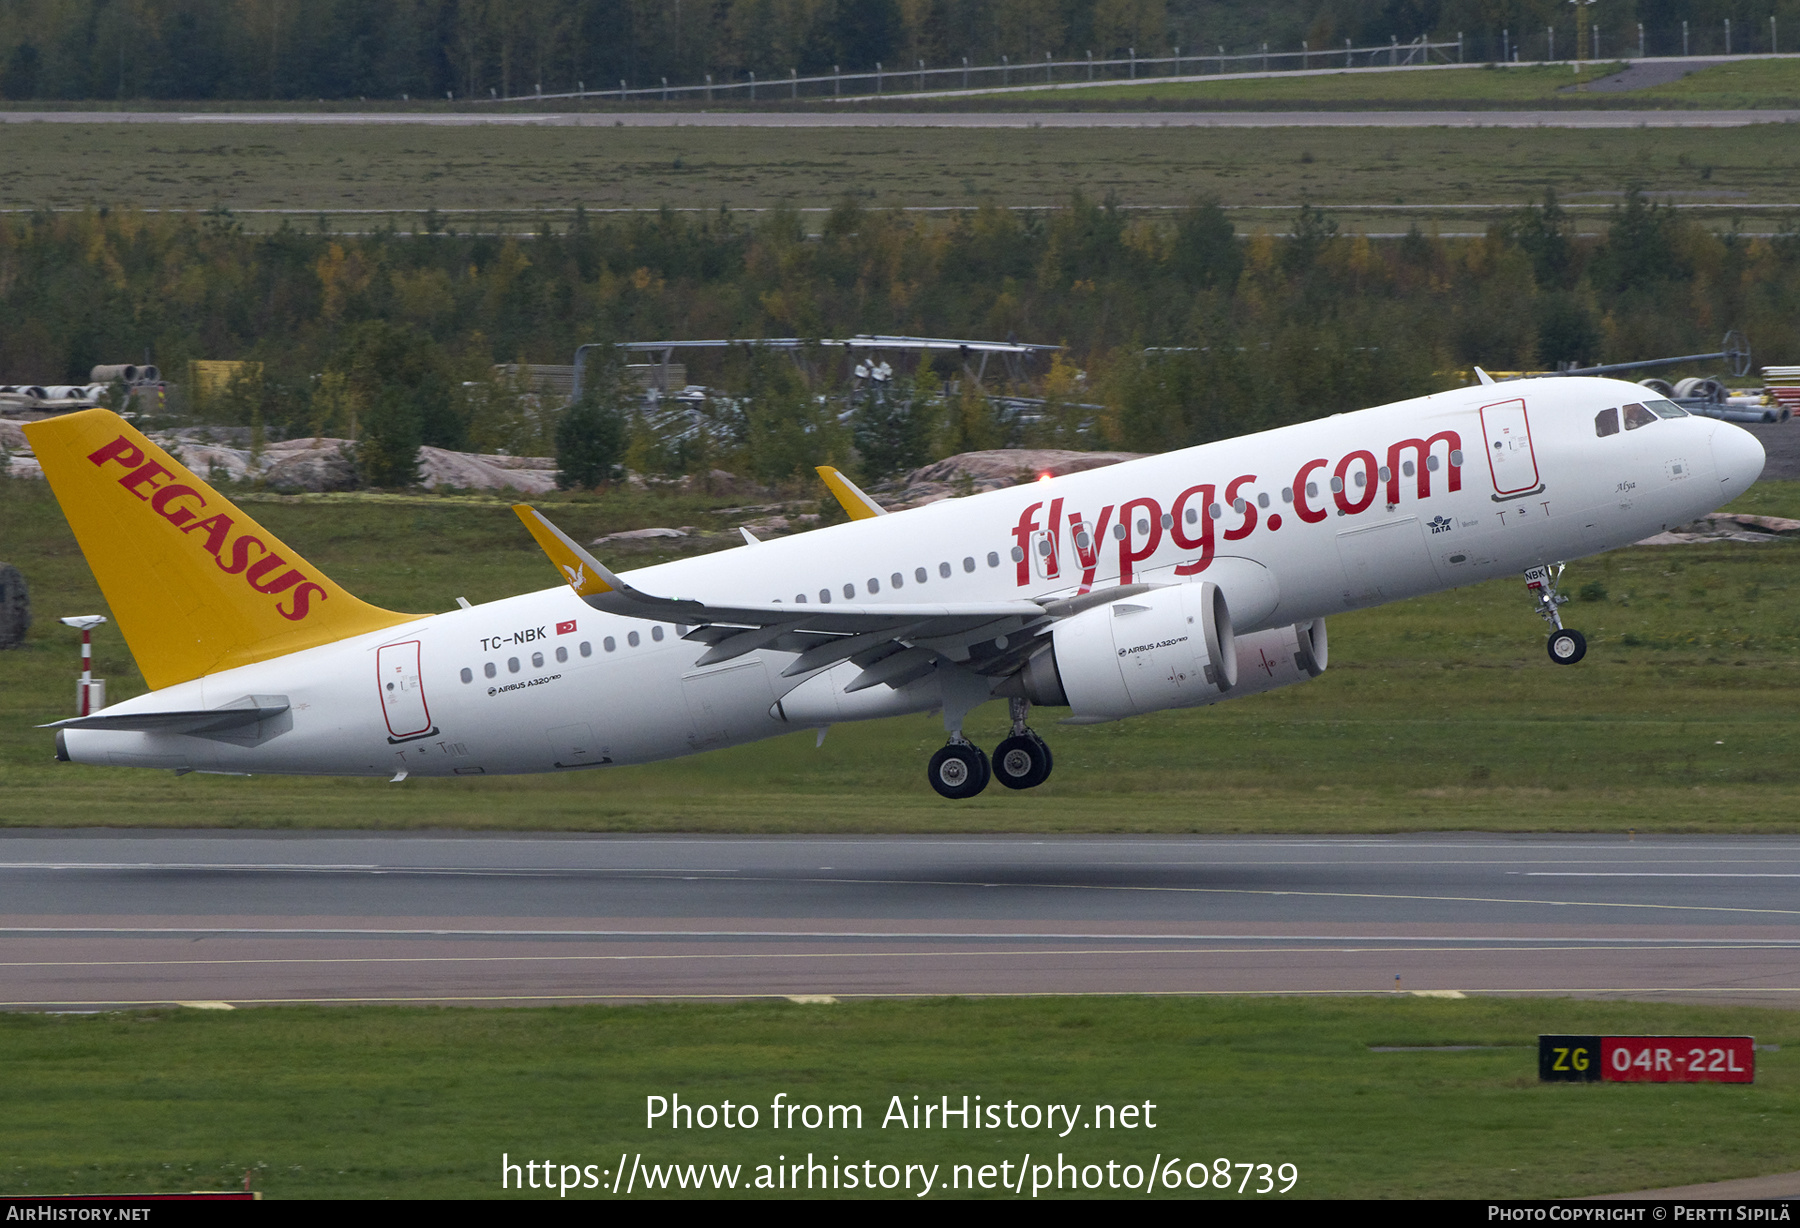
(182, 506)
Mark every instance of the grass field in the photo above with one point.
(1524, 85)
(1384, 180)
(321, 1103)
(1746, 84)
(1438, 713)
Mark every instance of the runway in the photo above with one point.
(99, 921)
(932, 119)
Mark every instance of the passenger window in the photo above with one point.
(587, 649)
(849, 591)
(468, 675)
(919, 574)
(824, 596)
(993, 558)
(512, 665)
(968, 564)
(1636, 416)
(944, 570)
(874, 585)
(489, 669)
(897, 580)
(1606, 422)
(799, 598)
(631, 637)
(562, 655)
(609, 643)
(537, 660)
(656, 633)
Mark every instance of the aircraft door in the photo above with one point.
(402, 690)
(728, 704)
(1386, 562)
(1511, 459)
(573, 746)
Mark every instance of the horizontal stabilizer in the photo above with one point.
(202, 721)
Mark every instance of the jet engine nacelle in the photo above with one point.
(1167, 648)
(1278, 657)
(1170, 648)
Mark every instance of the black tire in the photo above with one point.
(1567, 647)
(958, 771)
(1022, 762)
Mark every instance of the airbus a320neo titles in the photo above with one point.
(1168, 582)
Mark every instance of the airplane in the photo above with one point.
(1168, 582)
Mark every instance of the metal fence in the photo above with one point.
(901, 81)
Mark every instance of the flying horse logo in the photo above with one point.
(575, 574)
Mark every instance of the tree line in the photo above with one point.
(1176, 330)
(428, 49)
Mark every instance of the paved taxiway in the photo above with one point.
(936, 119)
(102, 920)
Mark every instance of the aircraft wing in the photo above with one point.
(892, 643)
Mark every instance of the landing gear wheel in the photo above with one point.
(1567, 647)
(959, 770)
(1022, 761)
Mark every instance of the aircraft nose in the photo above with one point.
(1738, 456)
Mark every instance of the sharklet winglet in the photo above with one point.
(852, 499)
(581, 570)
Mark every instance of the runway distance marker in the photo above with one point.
(1646, 1059)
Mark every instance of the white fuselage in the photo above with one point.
(541, 682)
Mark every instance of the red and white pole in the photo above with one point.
(85, 689)
(87, 670)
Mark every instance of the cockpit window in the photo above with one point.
(1606, 422)
(1666, 409)
(1636, 416)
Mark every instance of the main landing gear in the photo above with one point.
(1566, 646)
(1023, 761)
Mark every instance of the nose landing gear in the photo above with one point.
(1566, 646)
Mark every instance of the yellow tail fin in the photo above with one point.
(195, 584)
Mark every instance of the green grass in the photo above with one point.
(380, 1102)
(1447, 87)
(1744, 85)
(1439, 713)
(1749, 83)
(505, 176)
